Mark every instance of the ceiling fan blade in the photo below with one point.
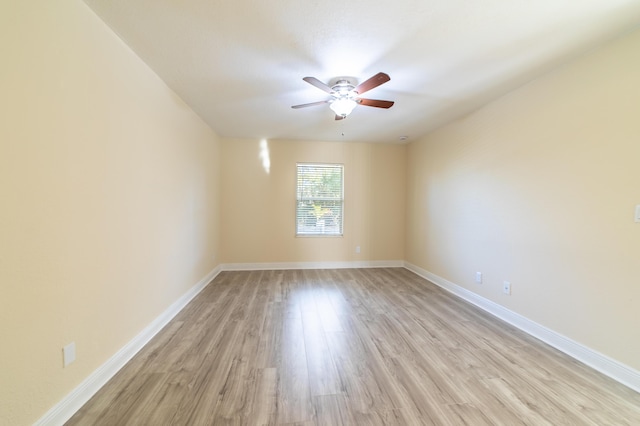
(373, 82)
(310, 104)
(320, 85)
(375, 103)
(339, 117)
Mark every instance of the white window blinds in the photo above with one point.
(320, 199)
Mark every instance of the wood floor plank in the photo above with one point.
(265, 404)
(467, 414)
(323, 375)
(329, 410)
(349, 347)
(293, 392)
(364, 388)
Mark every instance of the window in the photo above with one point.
(320, 199)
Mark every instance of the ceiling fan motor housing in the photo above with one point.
(343, 88)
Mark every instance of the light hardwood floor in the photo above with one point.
(349, 347)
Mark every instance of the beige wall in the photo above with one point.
(108, 200)
(259, 206)
(539, 188)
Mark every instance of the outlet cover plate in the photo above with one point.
(69, 354)
(506, 287)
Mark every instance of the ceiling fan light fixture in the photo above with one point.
(343, 106)
(345, 96)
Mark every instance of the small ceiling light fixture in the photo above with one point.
(343, 106)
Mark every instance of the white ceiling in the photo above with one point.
(240, 63)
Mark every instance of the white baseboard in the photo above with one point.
(610, 367)
(66, 408)
(312, 265)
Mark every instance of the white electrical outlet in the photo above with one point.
(506, 287)
(69, 354)
(637, 217)
(479, 277)
(357, 249)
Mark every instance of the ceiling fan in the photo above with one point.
(345, 96)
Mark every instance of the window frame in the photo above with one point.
(305, 234)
